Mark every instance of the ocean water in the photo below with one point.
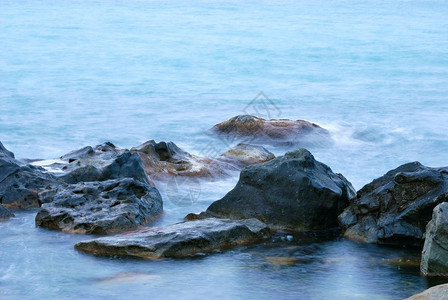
(77, 73)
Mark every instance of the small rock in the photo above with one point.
(245, 154)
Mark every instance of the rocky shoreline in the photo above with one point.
(106, 189)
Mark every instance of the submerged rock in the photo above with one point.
(435, 251)
(19, 182)
(277, 132)
(293, 191)
(395, 208)
(99, 207)
(244, 155)
(179, 240)
(5, 214)
(439, 292)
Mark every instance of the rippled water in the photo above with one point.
(76, 73)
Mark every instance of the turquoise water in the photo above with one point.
(77, 73)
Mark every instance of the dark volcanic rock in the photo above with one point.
(5, 152)
(179, 240)
(103, 152)
(435, 251)
(126, 165)
(99, 207)
(293, 191)
(5, 214)
(395, 208)
(277, 132)
(19, 182)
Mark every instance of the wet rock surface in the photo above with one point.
(435, 251)
(439, 292)
(293, 191)
(104, 162)
(179, 240)
(277, 132)
(20, 182)
(167, 159)
(5, 152)
(244, 155)
(160, 161)
(99, 207)
(395, 208)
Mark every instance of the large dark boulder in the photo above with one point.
(395, 208)
(5, 214)
(20, 182)
(293, 191)
(99, 207)
(179, 240)
(277, 132)
(435, 251)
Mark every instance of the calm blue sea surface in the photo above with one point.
(77, 73)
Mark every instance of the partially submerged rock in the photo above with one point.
(244, 155)
(277, 132)
(395, 208)
(167, 159)
(435, 251)
(5, 214)
(179, 240)
(19, 182)
(293, 191)
(99, 207)
(438, 292)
